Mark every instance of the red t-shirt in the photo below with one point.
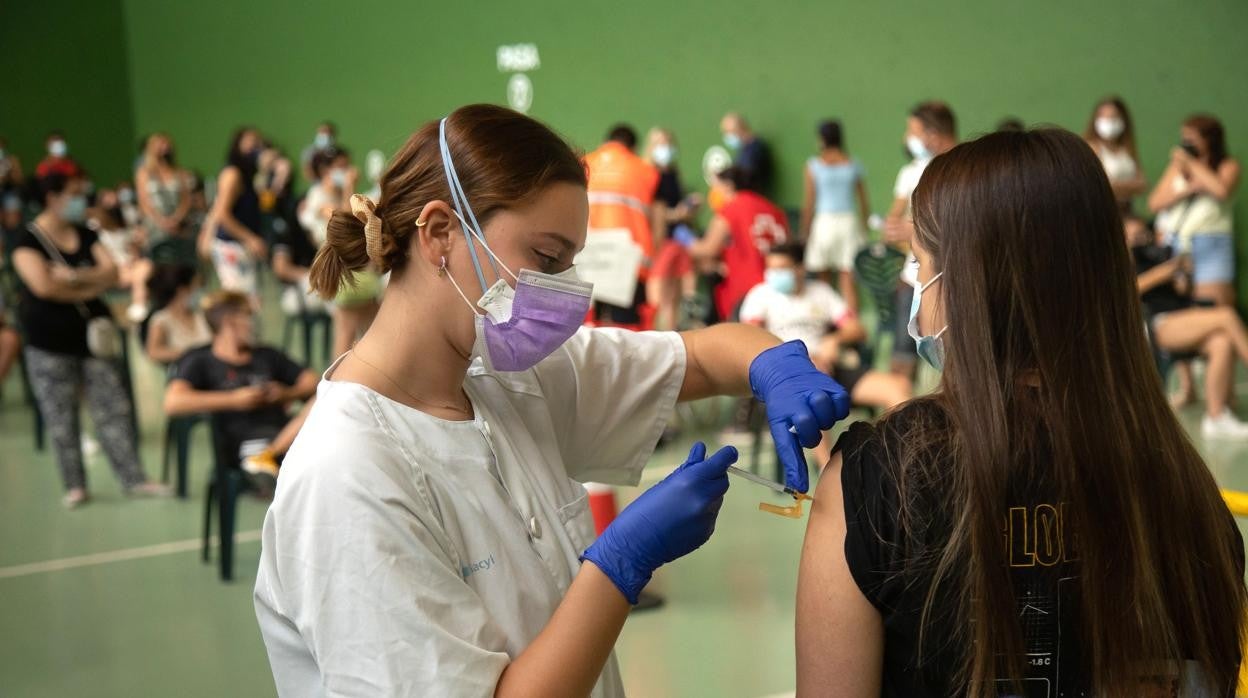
(756, 225)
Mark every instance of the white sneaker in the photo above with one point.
(1223, 426)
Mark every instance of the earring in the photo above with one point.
(420, 223)
(442, 269)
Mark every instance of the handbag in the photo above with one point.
(103, 337)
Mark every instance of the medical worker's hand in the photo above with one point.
(669, 520)
(797, 395)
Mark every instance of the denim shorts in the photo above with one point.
(1213, 258)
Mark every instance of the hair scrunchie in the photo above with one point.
(365, 210)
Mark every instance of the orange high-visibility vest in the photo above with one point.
(621, 189)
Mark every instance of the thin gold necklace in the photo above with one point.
(445, 406)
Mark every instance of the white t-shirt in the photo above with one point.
(807, 316)
(907, 181)
(405, 555)
(311, 215)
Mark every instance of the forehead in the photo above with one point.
(559, 213)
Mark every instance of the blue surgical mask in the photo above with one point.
(323, 141)
(339, 177)
(75, 209)
(917, 149)
(732, 140)
(782, 280)
(928, 346)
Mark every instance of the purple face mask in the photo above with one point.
(525, 325)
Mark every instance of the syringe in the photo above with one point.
(775, 486)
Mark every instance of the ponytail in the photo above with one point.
(343, 253)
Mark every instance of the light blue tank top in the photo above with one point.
(835, 185)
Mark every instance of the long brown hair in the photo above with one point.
(1127, 139)
(502, 157)
(1211, 130)
(1046, 347)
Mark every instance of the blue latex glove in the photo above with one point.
(797, 395)
(667, 521)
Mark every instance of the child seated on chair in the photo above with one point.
(790, 306)
(248, 387)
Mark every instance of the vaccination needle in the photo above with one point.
(793, 512)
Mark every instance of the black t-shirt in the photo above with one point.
(294, 241)
(669, 191)
(204, 371)
(755, 159)
(1044, 569)
(60, 328)
(1164, 298)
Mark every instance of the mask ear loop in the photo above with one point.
(443, 271)
(460, 199)
(493, 257)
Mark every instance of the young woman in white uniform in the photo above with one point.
(429, 536)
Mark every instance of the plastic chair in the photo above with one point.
(178, 431)
(224, 487)
(878, 270)
(308, 320)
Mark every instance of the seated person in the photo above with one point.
(1040, 525)
(790, 306)
(247, 387)
(1179, 326)
(177, 325)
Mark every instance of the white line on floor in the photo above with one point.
(69, 563)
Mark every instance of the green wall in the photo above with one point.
(63, 66)
(380, 69)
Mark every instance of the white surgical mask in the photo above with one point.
(663, 154)
(324, 140)
(58, 149)
(1109, 127)
(338, 176)
(929, 347)
(917, 149)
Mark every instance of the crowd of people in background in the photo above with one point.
(83, 258)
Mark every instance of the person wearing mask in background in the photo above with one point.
(671, 276)
(125, 244)
(230, 235)
(355, 304)
(1194, 202)
(326, 137)
(751, 154)
(199, 201)
(931, 129)
(621, 194)
(57, 161)
(12, 178)
(1178, 326)
(295, 246)
(1111, 134)
(454, 554)
(835, 209)
(791, 307)
(739, 236)
(1041, 525)
(247, 387)
(65, 270)
(164, 191)
(176, 325)
(274, 183)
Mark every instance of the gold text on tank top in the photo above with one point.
(1038, 535)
